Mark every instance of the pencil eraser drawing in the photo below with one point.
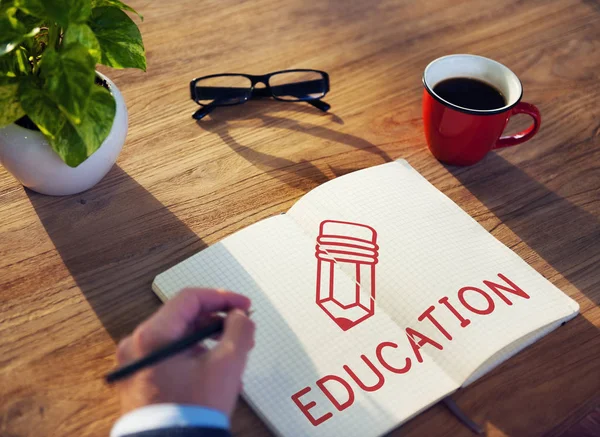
(347, 293)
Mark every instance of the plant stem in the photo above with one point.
(36, 64)
(53, 36)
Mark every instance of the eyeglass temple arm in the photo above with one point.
(320, 104)
(203, 112)
(302, 91)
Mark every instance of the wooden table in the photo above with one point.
(75, 272)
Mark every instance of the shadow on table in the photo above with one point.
(555, 376)
(114, 239)
(566, 236)
(302, 174)
(562, 233)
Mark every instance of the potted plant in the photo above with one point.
(62, 123)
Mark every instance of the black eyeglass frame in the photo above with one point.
(260, 92)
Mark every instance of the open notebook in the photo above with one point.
(374, 297)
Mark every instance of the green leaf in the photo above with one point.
(52, 123)
(15, 63)
(40, 108)
(29, 21)
(73, 143)
(117, 4)
(119, 38)
(69, 76)
(9, 101)
(82, 34)
(63, 12)
(12, 30)
(98, 119)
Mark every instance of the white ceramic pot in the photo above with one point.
(28, 156)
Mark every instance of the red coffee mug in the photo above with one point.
(463, 136)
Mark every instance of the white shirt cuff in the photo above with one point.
(168, 416)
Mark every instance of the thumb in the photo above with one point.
(238, 334)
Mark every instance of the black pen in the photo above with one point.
(166, 351)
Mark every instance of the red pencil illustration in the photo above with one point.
(347, 302)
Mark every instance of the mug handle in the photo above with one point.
(527, 134)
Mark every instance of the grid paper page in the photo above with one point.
(273, 262)
(429, 249)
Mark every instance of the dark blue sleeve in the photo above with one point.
(182, 432)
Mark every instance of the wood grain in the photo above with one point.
(75, 272)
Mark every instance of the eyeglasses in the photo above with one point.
(234, 89)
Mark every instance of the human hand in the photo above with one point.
(208, 378)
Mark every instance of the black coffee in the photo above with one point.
(470, 93)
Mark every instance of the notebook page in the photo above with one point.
(429, 249)
(273, 262)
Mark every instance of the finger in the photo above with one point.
(208, 319)
(198, 349)
(216, 337)
(125, 353)
(178, 316)
(238, 334)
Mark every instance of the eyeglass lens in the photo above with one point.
(298, 85)
(223, 90)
